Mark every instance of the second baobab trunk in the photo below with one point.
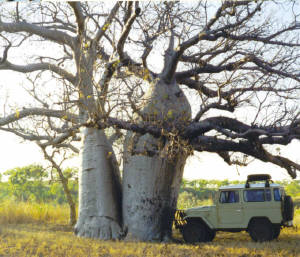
(153, 167)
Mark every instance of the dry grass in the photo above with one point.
(21, 213)
(51, 240)
(33, 230)
(297, 217)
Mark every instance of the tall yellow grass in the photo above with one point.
(25, 212)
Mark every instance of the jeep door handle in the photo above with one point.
(238, 210)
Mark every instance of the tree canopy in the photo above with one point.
(235, 59)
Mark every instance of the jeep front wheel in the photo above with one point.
(276, 231)
(261, 230)
(212, 234)
(194, 232)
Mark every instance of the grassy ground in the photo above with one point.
(26, 235)
(53, 240)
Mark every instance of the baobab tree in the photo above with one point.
(178, 77)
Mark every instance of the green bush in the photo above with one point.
(32, 184)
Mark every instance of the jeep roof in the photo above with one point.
(257, 185)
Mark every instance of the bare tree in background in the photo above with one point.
(136, 66)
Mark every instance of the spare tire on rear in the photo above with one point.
(288, 208)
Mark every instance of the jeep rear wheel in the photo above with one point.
(194, 232)
(261, 230)
(288, 208)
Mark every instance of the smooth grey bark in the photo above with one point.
(153, 168)
(99, 177)
(99, 188)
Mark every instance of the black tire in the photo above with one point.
(212, 234)
(276, 231)
(288, 208)
(261, 230)
(196, 231)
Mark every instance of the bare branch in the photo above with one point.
(227, 158)
(53, 35)
(222, 8)
(226, 107)
(212, 144)
(76, 6)
(107, 23)
(68, 146)
(141, 128)
(38, 67)
(199, 86)
(64, 136)
(208, 68)
(57, 142)
(4, 58)
(26, 136)
(126, 30)
(19, 114)
(257, 38)
(267, 67)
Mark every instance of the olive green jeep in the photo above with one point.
(261, 209)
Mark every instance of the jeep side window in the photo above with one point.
(257, 195)
(229, 197)
(277, 194)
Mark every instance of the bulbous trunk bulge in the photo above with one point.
(153, 168)
(99, 188)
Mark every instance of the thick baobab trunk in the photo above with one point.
(99, 189)
(153, 168)
(150, 189)
(99, 178)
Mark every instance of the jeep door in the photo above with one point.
(262, 202)
(230, 214)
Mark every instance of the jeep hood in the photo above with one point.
(200, 209)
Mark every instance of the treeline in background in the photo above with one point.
(33, 183)
(38, 194)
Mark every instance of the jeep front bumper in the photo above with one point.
(179, 220)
